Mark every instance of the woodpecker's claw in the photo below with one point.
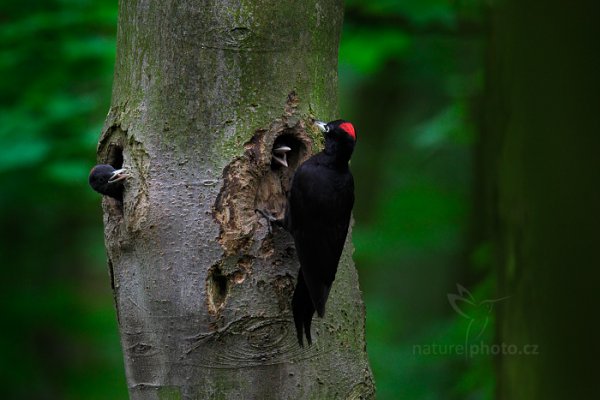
(280, 155)
(266, 215)
(271, 219)
(118, 175)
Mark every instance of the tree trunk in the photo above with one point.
(202, 289)
(542, 187)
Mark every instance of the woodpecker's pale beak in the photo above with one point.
(280, 155)
(118, 175)
(322, 126)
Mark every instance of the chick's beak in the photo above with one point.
(118, 175)
(280, 155)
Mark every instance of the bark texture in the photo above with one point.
(542, 164)
(202, 90)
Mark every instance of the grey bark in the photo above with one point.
(202, 289)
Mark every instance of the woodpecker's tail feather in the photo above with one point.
(303, 310)
(320, 303)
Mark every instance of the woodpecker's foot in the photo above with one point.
(271, 219)
(280, 155)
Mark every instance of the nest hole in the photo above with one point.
(115, 159)
(273, 187)
(217, 288)
(294, 156)
(115, 156)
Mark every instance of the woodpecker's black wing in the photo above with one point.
(320, 204)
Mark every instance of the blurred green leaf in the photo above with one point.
(20, 141)
(18, 153)
(89, 47)
(451, 124)
(368, 50)
(69, 172)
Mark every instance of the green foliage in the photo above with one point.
(409, 79)
(368, 49)
(56, 61)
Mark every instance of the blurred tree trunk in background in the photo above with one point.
(202, 290)
(543, 171)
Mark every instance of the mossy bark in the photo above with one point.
(202, 289)
(541, 147)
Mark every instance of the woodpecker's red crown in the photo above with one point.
(349, 129)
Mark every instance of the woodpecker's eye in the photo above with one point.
(349, 129)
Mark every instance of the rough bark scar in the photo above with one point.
(283, 286)
(251, 181)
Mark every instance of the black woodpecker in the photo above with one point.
(108, 181)
(318, 215)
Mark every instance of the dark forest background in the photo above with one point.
(425, 83)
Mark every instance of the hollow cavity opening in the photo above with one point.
(115, 159)
(115, 156)
(296, 153)
(217, 287)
